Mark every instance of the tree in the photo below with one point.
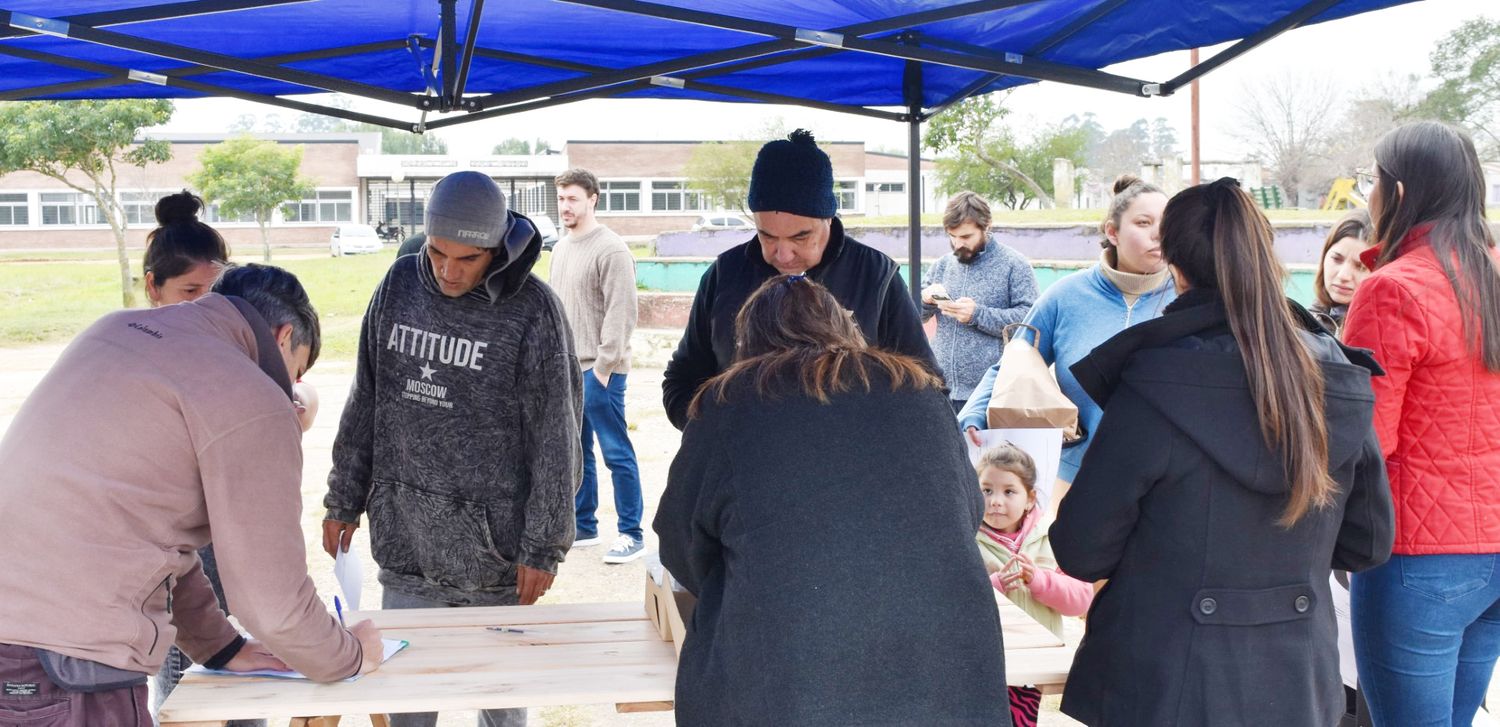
(69, 140)
(243, 124)
(1286, 123)
(1163, 139)
(721, 170)
(512, 146)
(397, 141)
(970, 132)
(1467, 66)
(250, 176)
(1374, 110)
(982, 155)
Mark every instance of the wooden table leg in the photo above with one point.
(629, 707)
(380, 720)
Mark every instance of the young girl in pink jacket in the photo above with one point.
(1013, 542)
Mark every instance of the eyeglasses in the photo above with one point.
(1365, 177)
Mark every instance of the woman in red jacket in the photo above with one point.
(1427, 623)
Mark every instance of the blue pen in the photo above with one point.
(339, 609)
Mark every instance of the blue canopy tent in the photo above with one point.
(902, 60)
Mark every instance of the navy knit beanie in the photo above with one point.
(793, 175)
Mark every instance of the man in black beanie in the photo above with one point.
(797, 232)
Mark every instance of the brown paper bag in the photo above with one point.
(1026, 394)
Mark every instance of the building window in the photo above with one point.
(326, 205)
(140, 208)
(68, 208)
(673, 197)
(213, 215)
(620, 196)
(873, 187)
(848, 192)
(14, 209)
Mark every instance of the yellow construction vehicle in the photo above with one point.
(1344, 194)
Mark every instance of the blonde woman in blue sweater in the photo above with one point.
(1129, 284)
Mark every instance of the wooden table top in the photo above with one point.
(600, 653)
(596, 653)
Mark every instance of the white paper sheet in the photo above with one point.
(1044, 446)
(392, 647)
(350, 573)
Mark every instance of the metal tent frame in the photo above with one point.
(447, 77)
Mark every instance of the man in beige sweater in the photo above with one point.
(593, 273)
(155, 432)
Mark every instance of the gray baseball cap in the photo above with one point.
(469, 209)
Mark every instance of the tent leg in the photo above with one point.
(914, 208)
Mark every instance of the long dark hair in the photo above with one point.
(793, 330)
(180, 240)
(1356, 224)
(1443, 185)
(1217, 238)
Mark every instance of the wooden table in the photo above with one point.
(607, 653)
(1034, 656)
(570, 654)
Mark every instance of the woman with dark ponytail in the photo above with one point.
(1427, 624)
(1235, 465)
(184, 256)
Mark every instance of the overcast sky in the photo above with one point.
(1351, 53)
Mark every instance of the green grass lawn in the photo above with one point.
(48, 297)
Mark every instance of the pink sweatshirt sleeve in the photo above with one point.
(1061, 592)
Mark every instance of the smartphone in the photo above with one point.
(940, 296)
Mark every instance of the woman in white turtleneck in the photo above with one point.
(1129, 284)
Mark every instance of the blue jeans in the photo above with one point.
(516, 717)
(1426, 637)
(604, 415)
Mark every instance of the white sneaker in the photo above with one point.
(586, 542)
(625, 550)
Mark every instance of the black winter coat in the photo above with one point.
(1214, 614)
(863, 279)
(831, 547)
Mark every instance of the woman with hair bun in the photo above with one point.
(1129, 284)
(183, 255)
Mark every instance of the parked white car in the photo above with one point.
(546, 229)
(722, 222)
(351, 239)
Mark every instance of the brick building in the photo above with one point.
(41, 212)
(644, 190)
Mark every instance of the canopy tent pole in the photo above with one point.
(912, 89)
(914, 207)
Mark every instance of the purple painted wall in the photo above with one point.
(1295, 242)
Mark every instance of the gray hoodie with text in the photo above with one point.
(460, 435)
